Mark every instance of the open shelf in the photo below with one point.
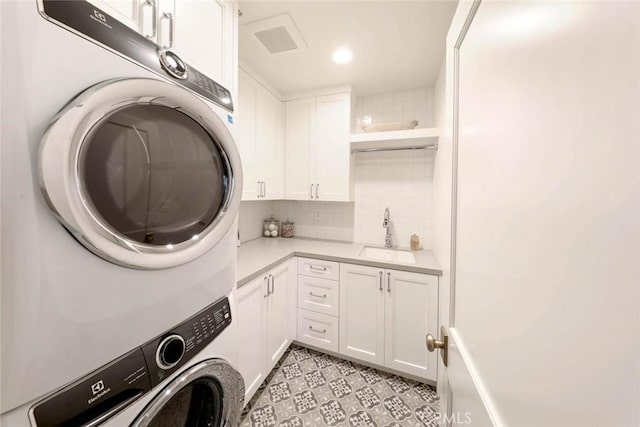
(399, 139)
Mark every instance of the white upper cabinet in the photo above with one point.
(261, 140)
(318, 151)
(331, 154)
(300, 134)
(203, 35)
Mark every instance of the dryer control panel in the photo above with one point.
(96, 25)
(108, 390)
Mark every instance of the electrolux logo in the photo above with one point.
(98, 391)
(97, 387)
(100, 17)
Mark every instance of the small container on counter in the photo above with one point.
(271, 227)
(287, 228)
(415, 242)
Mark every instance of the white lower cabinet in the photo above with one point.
(362, 313)
(385, 316)
(263, 316)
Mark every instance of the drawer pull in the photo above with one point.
(313, 267)
(318, 296)
(324, 331)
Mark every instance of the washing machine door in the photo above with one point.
(142, 172)
(209, 394)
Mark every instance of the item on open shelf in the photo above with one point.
(271, 227)
(288, 228)
(390, 126)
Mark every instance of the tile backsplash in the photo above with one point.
(416, 104)
(399, 180)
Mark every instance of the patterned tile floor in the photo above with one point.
(307, 388)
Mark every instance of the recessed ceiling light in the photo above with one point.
(342, 56)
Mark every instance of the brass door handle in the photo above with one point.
(433, 343)
(442, 344)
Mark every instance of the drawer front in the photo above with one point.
(319, 295)
(318, 330)
(319, 268)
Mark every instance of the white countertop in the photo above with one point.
(260, 255)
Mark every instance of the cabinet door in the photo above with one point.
(252, 332)
(246, 122)
(411, 311)
(362, 313)
(204, 37)
(299, 134)
(278, 313)
(269, 145)
(332, 152)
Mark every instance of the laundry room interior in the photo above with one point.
(321, 213)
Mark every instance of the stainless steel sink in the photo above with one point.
(384, 254)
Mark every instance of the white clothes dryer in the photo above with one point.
(185, 377)
(121, 183)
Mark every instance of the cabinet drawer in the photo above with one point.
(319, 268)
(319, 295)
(318, 330)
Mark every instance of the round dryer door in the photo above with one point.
(210, 394)
(142, 172)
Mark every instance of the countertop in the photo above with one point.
(260, 255)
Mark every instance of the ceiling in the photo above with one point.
(397, 45)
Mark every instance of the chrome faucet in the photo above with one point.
(385, 224)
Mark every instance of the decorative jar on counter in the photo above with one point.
(288, 228)
(271, 227)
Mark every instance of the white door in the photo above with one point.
(544, 307)
(362, 312)
(331, 150)
(247, 144)
(252, 332)
(278, 313)
(204, 36)
(411, 311)
(269, 145)
(299, 136)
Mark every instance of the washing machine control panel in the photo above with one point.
(111, 388)
(173, 349)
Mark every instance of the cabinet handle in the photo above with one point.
(152, 4)
(318, 296)
(380, 282)
(264, 188)
(317, 186)
(324, 331)
(271, 278)
(313, 267)
(388, 282)
(259, 190)
(311, 192)
(169, 16)
(265, 279)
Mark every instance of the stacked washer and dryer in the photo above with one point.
(121, 183)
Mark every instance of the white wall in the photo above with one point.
(416, 104)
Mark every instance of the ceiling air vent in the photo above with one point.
(277, 34)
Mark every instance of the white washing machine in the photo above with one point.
(182, 378)
(121, 184)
